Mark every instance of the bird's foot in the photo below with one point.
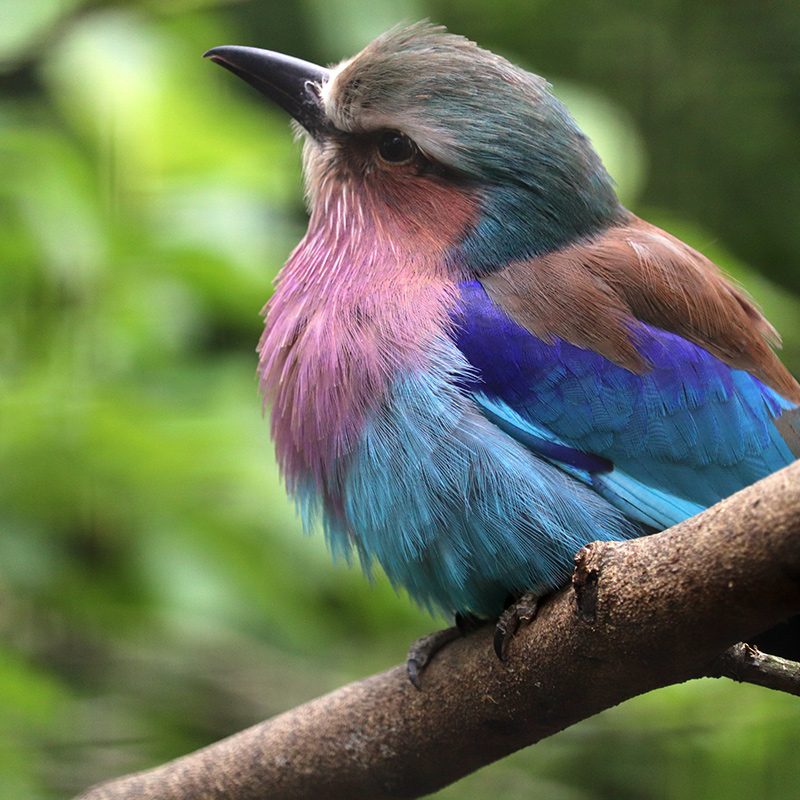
(520, 612)
(422, 651)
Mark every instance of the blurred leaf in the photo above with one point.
(23, 24)
(613, 134)
(343, 28)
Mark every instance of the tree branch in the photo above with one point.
(640, 615)
(747, 664)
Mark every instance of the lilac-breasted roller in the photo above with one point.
(477, 359)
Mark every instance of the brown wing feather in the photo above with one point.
(593, 292)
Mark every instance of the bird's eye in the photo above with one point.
(396, 148)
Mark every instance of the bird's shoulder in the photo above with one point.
(596, 294)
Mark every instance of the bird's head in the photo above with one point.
(427, 130)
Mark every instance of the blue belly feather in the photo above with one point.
(453, 509)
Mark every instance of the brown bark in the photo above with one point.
(640, 615)
(746, 664)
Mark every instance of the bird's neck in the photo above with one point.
(518, 222)
(360, 300)
(548, 192)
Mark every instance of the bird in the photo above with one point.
(477, 360)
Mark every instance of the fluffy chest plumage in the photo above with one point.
(327, 366)
(360, 300)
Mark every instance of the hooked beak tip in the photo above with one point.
(215, 54)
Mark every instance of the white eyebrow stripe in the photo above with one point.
(328, 91)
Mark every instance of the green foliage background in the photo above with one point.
(155, 590)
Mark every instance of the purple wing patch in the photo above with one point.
(689, 424)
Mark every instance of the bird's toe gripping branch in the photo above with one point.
(422, 651)
(521, 612)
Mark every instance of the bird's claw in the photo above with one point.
(521, 612)
(424, 649)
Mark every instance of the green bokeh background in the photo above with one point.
(156, 593)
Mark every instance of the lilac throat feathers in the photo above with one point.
(360, 298)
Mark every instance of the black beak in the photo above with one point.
(291, 83)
